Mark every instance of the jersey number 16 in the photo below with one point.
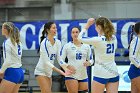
(78, 56)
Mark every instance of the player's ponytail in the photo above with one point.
(107, 27)
(13, 32)
(43, 36)
(47, 27)
(17, 35)
(131, 36)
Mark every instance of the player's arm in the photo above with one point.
(84, 40)
(63, 55)
(134, 51)
(45, 56)
(90, 60)
(7, 56)
(90, 56)
(90, 41)
(60, 58)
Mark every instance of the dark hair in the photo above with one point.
(77, 28)
(106, 26)
(135, 29)
(13, 32)
(47, 27)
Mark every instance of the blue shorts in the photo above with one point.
(133, 72)
(14, 75)
(106, 80)
(84, 80)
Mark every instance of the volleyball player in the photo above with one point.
(79, 57)
(12, 52)
(105, 69)
(134, 56)
(49, 50)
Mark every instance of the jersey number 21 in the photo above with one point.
(110, 48)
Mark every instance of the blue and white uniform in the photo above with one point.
(134, 56)
(12, 62)
(76, 57)
(48, 54)
(105, 66)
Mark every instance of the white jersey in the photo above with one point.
(11, 55)
(134, 51)
(105, 66)
(48, 53)
(76, 57)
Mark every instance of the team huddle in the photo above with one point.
(79, 55)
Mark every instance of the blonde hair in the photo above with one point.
(106, 26)
(13, 32)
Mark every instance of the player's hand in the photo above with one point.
(87, 63)
(90, 22)
(62, 73)
(68, 72)
(1, 74)
(72, 69)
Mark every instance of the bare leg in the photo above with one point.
(6, 86)
(112, 87)
(83, 86)
(45, 84)
(97, 87)
(16, 88)
(135, 85)
(72, 86)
